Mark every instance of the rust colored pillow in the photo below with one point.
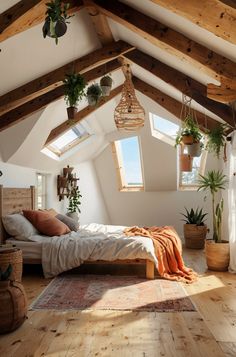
(45, 223)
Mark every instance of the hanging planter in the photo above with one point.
(195, 149)
(74, 85)
(94, 94)
(216, 139)
(106, 84)
(55, 23)
(186, 162)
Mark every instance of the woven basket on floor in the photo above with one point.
(15, 259)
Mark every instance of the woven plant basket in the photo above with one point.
(15, 259)
(194, 236)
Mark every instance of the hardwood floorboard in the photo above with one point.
(208, 332)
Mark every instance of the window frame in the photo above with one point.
(44, 190)
(165, 138)
(117, 157)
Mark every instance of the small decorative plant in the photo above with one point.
(189, 133)
(56, 19)
(5, 275)
(214, 181)
(74, 88)
(216, 139)
(94, 93)
(74, 200)
(194, 217)
(106, 84)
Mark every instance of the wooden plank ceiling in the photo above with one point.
(25, 100)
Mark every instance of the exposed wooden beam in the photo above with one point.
(170, 104)
(18, 114)
(224, 93)
(181, 82)
(170, 40)
(211, 15)
(26, 14)
(231, 3)
(100, 23)
(54, 78)
(62, 128)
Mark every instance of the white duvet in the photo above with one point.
(91, 242)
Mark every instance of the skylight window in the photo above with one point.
(128, 163)
(68, 140)
(163, 129)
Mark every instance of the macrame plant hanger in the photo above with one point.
(129, 114)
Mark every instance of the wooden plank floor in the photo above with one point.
(209, 332)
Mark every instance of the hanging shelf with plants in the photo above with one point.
(106, 84)
(56, 19)
(74, 89)
(94, 94)
(216, 140)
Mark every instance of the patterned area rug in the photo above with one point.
(96, 292)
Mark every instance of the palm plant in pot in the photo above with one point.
(74, 203)
(56, 19)
(106, 84)
(74, 89)
(94, 93)
(194, 228)
(217, 250)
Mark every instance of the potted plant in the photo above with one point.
(106, 84)
(74, 85)
(186, 162)
(13, 302)
(217, 250)
(55, 22)
(74, 203)
(189, 133)
(216, 139)
(194, 230)
(94, 93)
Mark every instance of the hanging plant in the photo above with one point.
(189, 133)
(216, 139)
(94, 93)
(56, 19)
(106, 84)
(74, 89)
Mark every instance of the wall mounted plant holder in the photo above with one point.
(66, 183)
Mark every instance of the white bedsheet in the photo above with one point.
(91, 242)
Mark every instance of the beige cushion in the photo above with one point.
(17, 226)
(71, 223)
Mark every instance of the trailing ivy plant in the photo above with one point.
(74, 88)
(74, 200)
(216, 139)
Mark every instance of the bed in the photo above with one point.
(13, 200)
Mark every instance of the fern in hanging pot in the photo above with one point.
(191, 136)
(56, 19)
(94, 93)
(216, 139)
(106, 84)
(74, 89)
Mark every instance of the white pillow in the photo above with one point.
(18, 226)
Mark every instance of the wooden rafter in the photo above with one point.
(54, 78)
(62, 128)
(224, 93)
(181, 82)
(170, 40)
(170, 104)
(212, 15)
(18, 114)
(26, 14)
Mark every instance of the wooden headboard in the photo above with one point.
(13, 200)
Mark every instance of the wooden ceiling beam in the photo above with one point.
(183, 83)
(26, 14)
(211, 15)
(170, 104)
(20, 113)
(54, 78)
(175, 43)
(224, 93)
(64, 127)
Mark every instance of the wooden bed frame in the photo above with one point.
(13, 200)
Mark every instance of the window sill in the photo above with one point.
(188, 188)
(131, 189)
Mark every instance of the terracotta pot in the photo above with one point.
(13, 306)
(187, 139)
(195, 236)
(186, 162)
(60, 28)
(71, 111)
(217, 255)
(194, 149)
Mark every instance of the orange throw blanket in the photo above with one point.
(168, 250)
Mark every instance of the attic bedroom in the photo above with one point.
(118, 178)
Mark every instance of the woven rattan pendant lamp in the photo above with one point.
(129, 114)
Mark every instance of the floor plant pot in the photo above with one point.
(195, 236)
(73, 215)
(217, 255)
(186, 162)
(59, 26)
(187, 139)
(15, 259)
(194, 149)
(13, 306)
(71, 111)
